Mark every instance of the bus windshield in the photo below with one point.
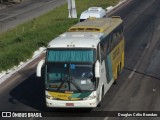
(76, 77)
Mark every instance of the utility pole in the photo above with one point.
(72, 9)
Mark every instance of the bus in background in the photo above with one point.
(82, 64)
(93, 12)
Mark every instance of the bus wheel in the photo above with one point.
(119, 69)
(118, 72)
(115, 82)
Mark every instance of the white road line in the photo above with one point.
(132, 73)
(148, 45)
(118, 7)
(158, 28)
(32, 118)
(106, 118)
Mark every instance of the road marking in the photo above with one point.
(119, 6)
(106, 118)
(32, 118)
(132, 73)
(148, 45)
(158, 28)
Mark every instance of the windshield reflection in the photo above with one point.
(70, 77)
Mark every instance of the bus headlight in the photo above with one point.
(50, 97)
(89, 98)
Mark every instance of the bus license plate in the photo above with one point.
(69, 104)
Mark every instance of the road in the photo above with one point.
(27, 10)
(137, 88)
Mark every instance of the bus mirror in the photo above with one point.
(97, 69)
(39, 67)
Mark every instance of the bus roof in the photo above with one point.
(97, 25)
(86, 34)
(76, 39)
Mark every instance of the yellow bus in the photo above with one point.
(82, 63)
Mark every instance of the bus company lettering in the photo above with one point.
(116, 52)
(62, 96)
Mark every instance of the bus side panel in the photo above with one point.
(106, 78)
(117, 56)
(123, 46)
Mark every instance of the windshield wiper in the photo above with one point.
(77, 87)
(61, 84)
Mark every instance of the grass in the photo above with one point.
(18, 44)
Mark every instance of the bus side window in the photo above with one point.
(116, 38)
(102, 51)
(113, 41)
(121, 33)
(108, 47)
(98, 52)
(118, 34)
(109, 44)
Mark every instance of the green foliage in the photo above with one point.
(18, 44)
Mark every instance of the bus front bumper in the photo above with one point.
(71, 104)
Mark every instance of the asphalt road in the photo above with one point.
(138, 87)
(27, 10)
